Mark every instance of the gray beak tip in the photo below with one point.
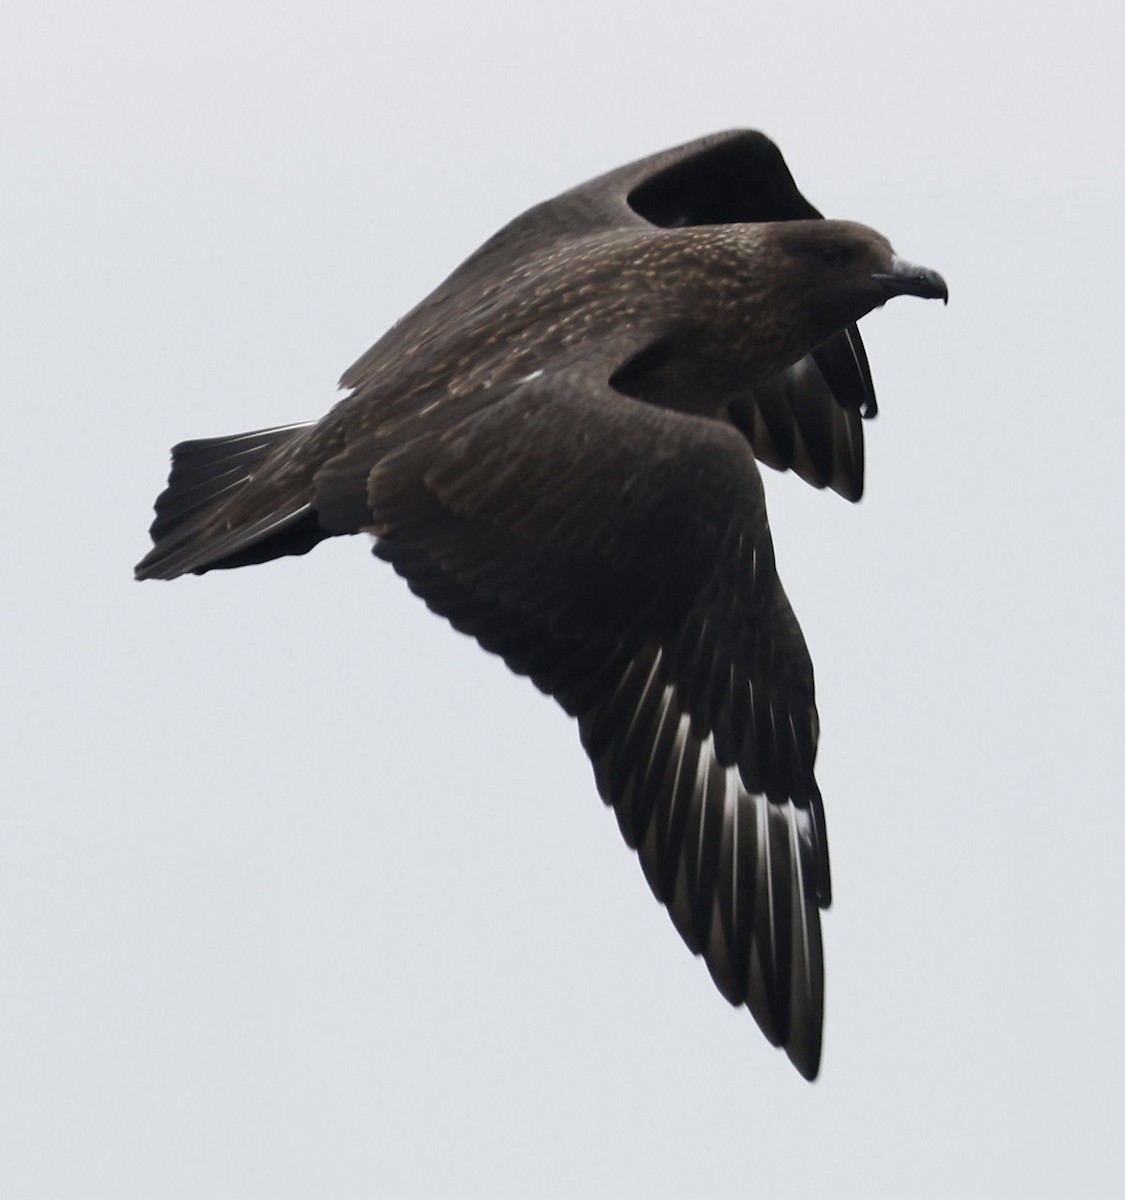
(909, 279)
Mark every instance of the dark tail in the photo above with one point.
(200, 524)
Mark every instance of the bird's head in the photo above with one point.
(837, 271)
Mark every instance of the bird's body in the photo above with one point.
(557, 450)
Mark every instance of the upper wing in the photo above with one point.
(619, 555)
(727, 178)
(808, 417)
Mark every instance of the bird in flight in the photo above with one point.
(559, 450)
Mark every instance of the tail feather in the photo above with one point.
(176, 507)
(206, 475)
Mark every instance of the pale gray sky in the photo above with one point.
(302, 894)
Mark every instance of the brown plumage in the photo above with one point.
(557, 449)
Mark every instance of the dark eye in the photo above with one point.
(835, 255)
